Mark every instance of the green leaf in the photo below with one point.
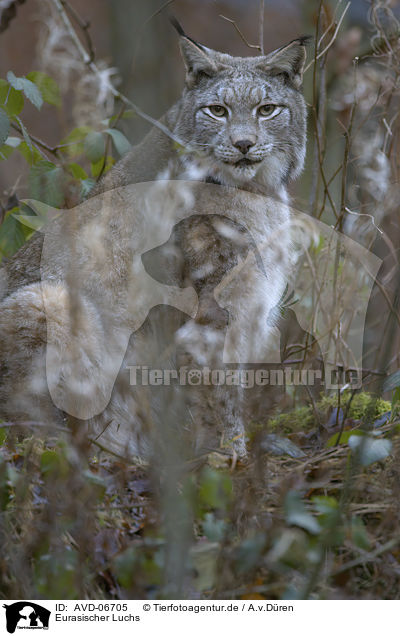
(328, 512)
(25, 134)
(297, 514)
(127, 114)
(26, 152)
(38, 208)
(5, 152)
(392, 382)
(121, 143)
(343, 438)
(99, 168)
(11, 100)
(73, 142)
(324, 504)
(359, 534)
(47, 86)
(4, 126)
(13, 142)
(87, 186)
(46, 182)
(3, 435)
(214, 529)
(249, 553)
(395, 400)
(29, 89)
(94, 146)
(4, 486)
(33, 222)
(12, 234)
(9, 146)
(370, 449)
(53, 463)
(124, 566)
(77, 171)
(215, 489)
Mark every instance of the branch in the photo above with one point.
(36, 142)
(261, 31)
(116, 93)
(332, 40)
(251, 46)
(34, 424)
(142, 29)
(365, 558)
(319, 152)
(84, 25)
(155, 13)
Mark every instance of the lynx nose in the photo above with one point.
(244, 145)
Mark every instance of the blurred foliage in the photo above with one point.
(355, 406)
(79, 524)
(59, 175)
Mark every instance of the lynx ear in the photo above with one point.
(288, 60)
(197, 59)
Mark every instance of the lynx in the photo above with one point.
(238, 137)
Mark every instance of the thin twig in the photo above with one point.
(261, 21)
(84, 25)
(317, 122)
(364, 214)
(370, 556)
(38, 142)
(157, 12)
(116, 93)
(33, 424)
(332, 40)
(251, 46)
(143, 26)
(329, 28)
(348, 131)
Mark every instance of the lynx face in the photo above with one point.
(245, 115)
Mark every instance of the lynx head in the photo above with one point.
(246, 115)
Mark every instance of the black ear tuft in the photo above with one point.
(179, 28)
(177, 25)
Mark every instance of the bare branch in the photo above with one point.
(332, 40)
(319, 149)
(367, 215)
(143, 26)
(116, 93)
(84, 25)
(36, 142)
(261, 20)
(153, 15)
(251, 46)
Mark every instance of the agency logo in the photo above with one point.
(26, 615)
(267, 249)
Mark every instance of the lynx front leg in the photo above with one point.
(215, 409)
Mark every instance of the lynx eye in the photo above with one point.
(216, 110)
(268, 110)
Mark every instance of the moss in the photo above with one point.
(303, 417)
